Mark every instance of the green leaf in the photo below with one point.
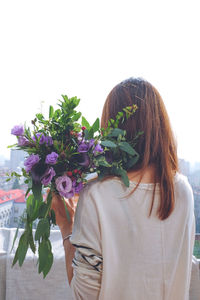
(11, 146)
(16, 174)
(50, 112)
(101, 161)
(124, 146)
(116, 132)
(123, 174)
(48, 264)
(85, 123)
(96, 125)
(24, 172)
(40, 117)
(53, 217)
(49, 200)
(104, 163)
(27, 192)
(132, 162)
(66, 210)
(31, 242)
(108, 144)
(57, 114)
(43, 229)
(16, 234)
(86, 133)
(23, 248)
(43, 255)
(42, 210)
(37, 191)
(90, 133)
(15, 257)
(30, 236)
(76, 117)
(30, 205)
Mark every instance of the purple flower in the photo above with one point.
(23, 141)
(64, 186)
(84, 160)
(48, 175)
(17, 130)
(79, 187)
(31, 161)
(40, 137)
(74, 183)
(51, 158)
(48, 140)
(83, 148)
(38, 171)
(80, 137)
(98, 149)
(91, 143)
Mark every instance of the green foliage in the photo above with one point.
(45, 259)
(90, 130)
(85, 123)
(197, 249)
(108, 144)
(122, 173)
(43, 229)
(51, 111)
(122, 154)
(124, 146)
(21, 250)
(96, 125)
(66, 210)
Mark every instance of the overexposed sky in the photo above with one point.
(84, 48)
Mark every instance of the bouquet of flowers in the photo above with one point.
(61, 154)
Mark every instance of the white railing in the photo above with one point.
(26, 284)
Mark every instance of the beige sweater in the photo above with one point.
(122, 254)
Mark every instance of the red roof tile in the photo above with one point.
(12, 195)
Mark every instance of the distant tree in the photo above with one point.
(16, 184)
(197, 225)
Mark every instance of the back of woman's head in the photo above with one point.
(156, 145)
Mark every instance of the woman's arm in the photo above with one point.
(69, 255)
(65, 229)
(85, 275)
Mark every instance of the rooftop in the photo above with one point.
(18, 196)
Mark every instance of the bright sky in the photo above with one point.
(84, 48)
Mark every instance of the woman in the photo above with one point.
(137, 242)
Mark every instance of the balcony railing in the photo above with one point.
(26, 284)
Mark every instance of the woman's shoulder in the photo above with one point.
(115, 185)
(112, 185)
(183, 190)
(181, 181)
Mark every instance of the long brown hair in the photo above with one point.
(157, 144)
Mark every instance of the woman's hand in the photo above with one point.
(58, 206)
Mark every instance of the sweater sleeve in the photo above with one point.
(87, 262)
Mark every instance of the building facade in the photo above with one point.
(12, 206)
